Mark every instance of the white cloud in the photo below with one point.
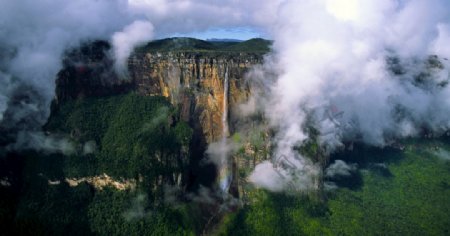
(45, 143)
(340, 168)
(333, 53)
(135, 34)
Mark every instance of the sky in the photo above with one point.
(240, 33)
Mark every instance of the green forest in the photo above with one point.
(394, 192)
(130, 131)
(406, 195)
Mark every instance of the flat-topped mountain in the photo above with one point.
(256, 45)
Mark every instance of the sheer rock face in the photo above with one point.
(192, 81)
(195, 83)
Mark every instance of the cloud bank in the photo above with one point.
(355, 71)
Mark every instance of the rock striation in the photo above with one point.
(194, 82)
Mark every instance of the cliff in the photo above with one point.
(195, 83)
(207, 87)
(189, 72)
(204, 81)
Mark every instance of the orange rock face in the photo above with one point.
(195, 83)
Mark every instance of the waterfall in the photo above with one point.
(225, 131)
(225, 173)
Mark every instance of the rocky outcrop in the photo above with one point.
(102, 181)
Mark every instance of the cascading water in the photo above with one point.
(225, 131)
(225, 173)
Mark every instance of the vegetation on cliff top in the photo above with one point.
(256, 45)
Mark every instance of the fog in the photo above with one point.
(356, 71)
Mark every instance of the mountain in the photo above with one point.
(141, 156)
(256, 45)
(224, 40)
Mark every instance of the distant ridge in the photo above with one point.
(224, 40)
(256, 45)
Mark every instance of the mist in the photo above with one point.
(356, 71)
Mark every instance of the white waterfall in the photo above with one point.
(225, 131)
(225, 173)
